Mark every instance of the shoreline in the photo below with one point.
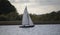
(36, 23)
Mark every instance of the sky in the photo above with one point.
(36, 6)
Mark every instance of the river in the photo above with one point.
(37, 30)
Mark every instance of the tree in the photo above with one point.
(8, 10)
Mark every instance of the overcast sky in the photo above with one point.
(36, 6)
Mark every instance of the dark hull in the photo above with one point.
(26, 26)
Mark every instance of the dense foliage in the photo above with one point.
(8, 11)
(53, 16)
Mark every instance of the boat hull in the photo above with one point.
(30, 26)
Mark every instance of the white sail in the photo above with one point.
(26, 18)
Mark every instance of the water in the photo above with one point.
(37, 30)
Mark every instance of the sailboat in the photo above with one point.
(26, 20)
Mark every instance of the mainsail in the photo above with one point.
(26, 20)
